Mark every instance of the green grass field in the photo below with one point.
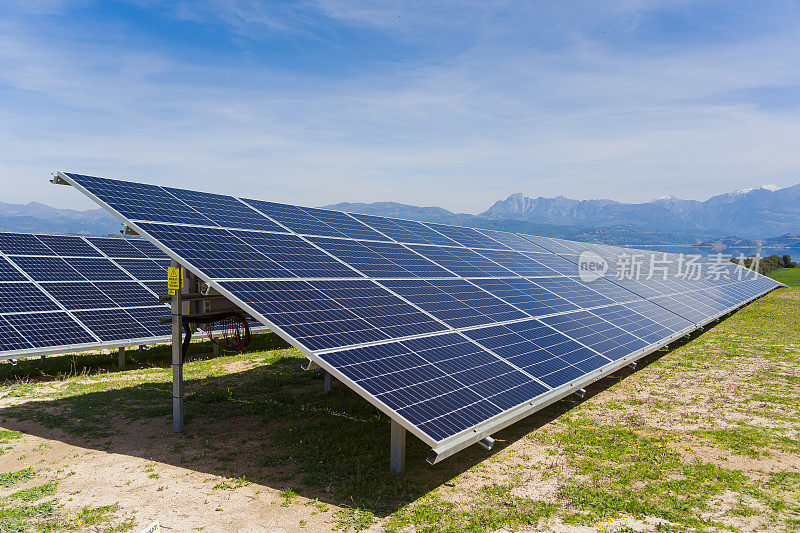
(705, 437)
(789, 276)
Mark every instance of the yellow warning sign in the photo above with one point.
(174, 279)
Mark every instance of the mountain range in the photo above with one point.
(749, 216)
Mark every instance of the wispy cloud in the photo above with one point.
(463, 104)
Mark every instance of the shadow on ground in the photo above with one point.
(270, 424)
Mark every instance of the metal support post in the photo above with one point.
(397, 455)
(580, 393)
(326, 381)
(177, 360)
(215, 349)
(121, 358)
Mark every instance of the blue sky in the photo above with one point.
(455, 104)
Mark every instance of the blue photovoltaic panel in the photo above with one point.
(138, 201)
(47, 268)
(575, 292)
(526, 296)
(441, 384)
(224, 211)
(217, 251)
(308, 221)
(390, 336)
(463, 262)
(634, 323)
(663, 316)
(10, 339)
(116, 247)
(297, 256)
(512, 240)
(145, 269)
(456, 302)
(468, 237)
(539, 350)
(318, 315)
(97, 269)
(23, 297)
(405, 231)
(596, 333)
(113, 324)
(49, 329)
(381, 259)
(80, 295)
(555, 262)
(147, 248)
(22, 243)
(71, 261)
(63, 245)
(149, 316)
(9, 273)
(518, 263)
(126, 293)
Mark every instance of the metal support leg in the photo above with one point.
(121, 358)
(215, 349)
(177, 361)
(326, 382)
(397, 456)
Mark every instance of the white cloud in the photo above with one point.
(561, 113)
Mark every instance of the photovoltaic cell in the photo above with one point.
(116, 247)
(524, 295)
(596, 333)
(47, 268)
(149, 316)
(405, 231)
(571, 290)
(296, 256)
(113, 324)
(126, 293)
(512, 240)
(317, 316)
(544, 353)
(139, 201)
(49, 329)
(381, 259)
(9, 273)
(456, 302)
(634, 323)
(145, 269)
(308, 221)
(10, 339)
(463, 262)
(68, 246)
(224, 211)
(468, 237)
(23, 297)
(148, 249)
(80, 295)
(518, 263)
(96, 269)
(22, 243)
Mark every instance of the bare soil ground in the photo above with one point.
(705, 437)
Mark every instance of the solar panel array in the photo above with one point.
(451, 331)
(67, 293)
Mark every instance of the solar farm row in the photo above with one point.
(451, 331)
(70, 293)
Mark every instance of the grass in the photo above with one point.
(787, 276)
(684, 443)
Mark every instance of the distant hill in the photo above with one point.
(36, 217)
(610, 235)
(753, 213)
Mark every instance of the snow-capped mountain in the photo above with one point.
(752, 213)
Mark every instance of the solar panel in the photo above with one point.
(63, 293)
(453, 332)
